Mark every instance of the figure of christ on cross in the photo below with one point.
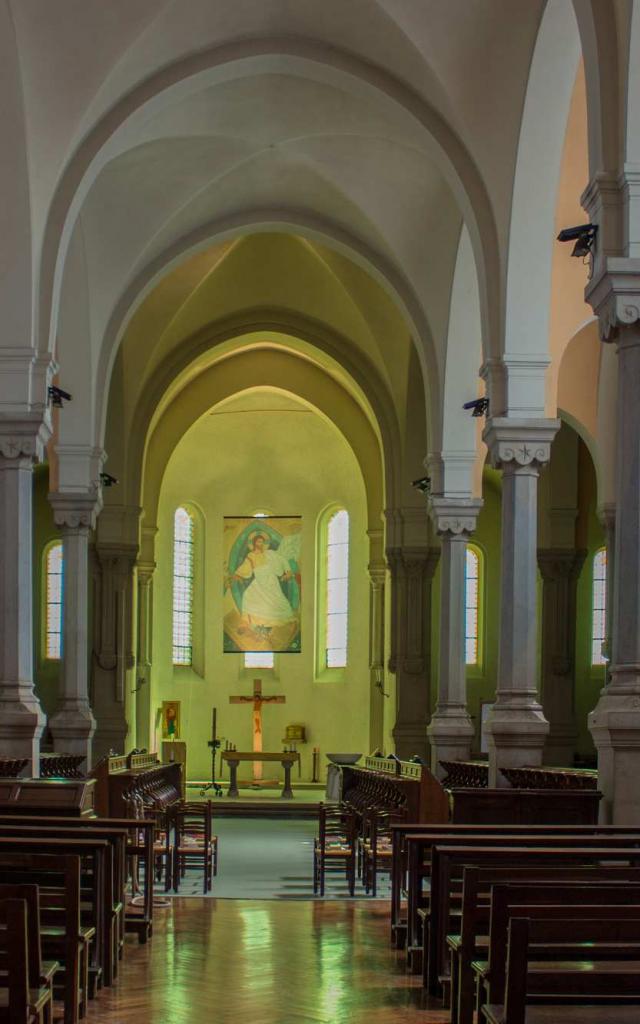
(257, 699)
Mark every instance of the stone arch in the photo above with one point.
(254, 321)
(598, 37)
(306, 57)
(256, 369)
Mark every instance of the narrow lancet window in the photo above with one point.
(471, 606)
(337, 594)
(54, 574)
(599, 607)
(183, 530)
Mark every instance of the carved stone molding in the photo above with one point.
(76, 511)
(519, 443)
(25, 439)
(453, 516)
(614, 295)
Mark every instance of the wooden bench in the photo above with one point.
(419, 856)
(481, 898)
(139, 853)
(39, 975)
(448, 863)
(58, 881)
(616, 982)
(399, 832)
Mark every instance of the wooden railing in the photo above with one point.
(465, 774)
(551, 778)
(61, 766)
(10, 767)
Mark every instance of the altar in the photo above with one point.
(286, 759)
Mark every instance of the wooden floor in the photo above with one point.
(265, 962)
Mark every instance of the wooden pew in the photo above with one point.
(108, 913)
(399, 832)
(14, 999)
(619, 985)
(448, 863)
(58, 878)
(39, 1001)
(419, 847)
(96, 855)
(139, 850)
(481, 898)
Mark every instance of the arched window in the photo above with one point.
(599, 607)
(183, 530)
(472, 573)
(337, 590)
(54, 593)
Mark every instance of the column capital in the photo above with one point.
(560, 563)
(516, 443)
(607, 514)
(454, 516)
(24, 438)
(78, 510)
(614, 296)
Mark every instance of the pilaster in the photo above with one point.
(560, 569)
(517, 728)
(411, 569)
(450, 730)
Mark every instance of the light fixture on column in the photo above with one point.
(107, 480)
(423, 484)
(57, 396)
(584, 235)
(478, 406)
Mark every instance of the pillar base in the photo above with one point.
(72, 727)
(410, 738)
(450, 736)
(615, 726)
(22, 723)
(516, 735)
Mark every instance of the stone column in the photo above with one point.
(451, 731)
(21, 718)
(517, 728)
(412, 572)
(377, 574)
(73, 724)
(560, 570)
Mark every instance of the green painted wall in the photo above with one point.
(263, 451)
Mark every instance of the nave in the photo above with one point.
(268, 962)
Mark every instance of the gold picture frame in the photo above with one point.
(171, 719)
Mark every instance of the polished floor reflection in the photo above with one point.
(265, 962)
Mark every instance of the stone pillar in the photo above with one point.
(560, 570)
(21, 718)
(517, 728)
(451, 731)
(377, 575)
(145, 572)
(615, 721)
(114, 564)
(73, 724)
(412, 572)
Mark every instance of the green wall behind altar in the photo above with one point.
(260, 452)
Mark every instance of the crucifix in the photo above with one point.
(257, 699)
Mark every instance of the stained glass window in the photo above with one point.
(471, 605)
(182, 587)
(337, 594)
(258, 659)
(54, 573)
(599, 607)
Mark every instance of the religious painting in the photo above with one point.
(262, 584)
(171, 719)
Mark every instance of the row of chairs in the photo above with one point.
(184, 838)
(356, 841)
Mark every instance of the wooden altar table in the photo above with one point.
(286, 759)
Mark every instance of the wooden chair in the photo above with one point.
(23, 999)
(195, 842)
(376, 848)
(335, 845)
(594, 990)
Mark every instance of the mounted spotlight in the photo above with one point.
(423, 484)
(480, 406)
(584, 235)
(107, 480)
(57, 396)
